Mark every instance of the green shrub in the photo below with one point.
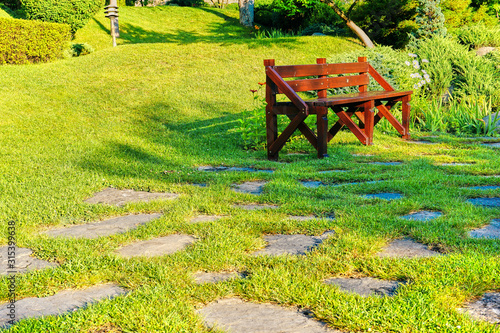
(76, 13)
(478, 35)
(324, 29)
(24, 41)
(188, 3)
(430, 19)
(78, 49)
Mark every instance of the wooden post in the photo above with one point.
(406, 116)
(322, 119)
(271, 118)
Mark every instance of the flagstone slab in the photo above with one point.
(63, 302)
(312, 183)
(456, 164)
(105, 228)
(491, 144)
(311, 217)
(487, 187)
(487, 308)
(422, 216)
(406, 248)
(157, 246)
(113, 196)
(199, 184)
(24, 262)
(332, 171)
(384, 196)
(485, 202)
(236, 316)
(223, 168)
(386, 163)
(205, 218)
(256, 207)
(491, 231)
(214, 277)
(254, 187)
(421, 142)
(365, 286)
(291, 244)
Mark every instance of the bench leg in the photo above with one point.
(272, 134)
(368, 120)
(322, 125)
(406, 116)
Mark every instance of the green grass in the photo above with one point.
(146, 114)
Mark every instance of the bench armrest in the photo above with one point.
(287, 90)
(379, 78)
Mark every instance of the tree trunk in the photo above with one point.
(246, 12)
(354, 28)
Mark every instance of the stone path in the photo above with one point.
(423, 216)
(384, 196)
(312, 183)
(491, 144)
(332, 171)
(386, 163)
(112, 196)
(157, 246)
(60, 303)
(291, 244)
(484, 187)
(214, 277)
(366, 286)
(255, 207)
(105, 228)
(236, 316)
(24, 262)
(421, 142)
(487, 308)
(254, 187)
(205, 218)
(223, 168)
(456, 164)
(485, 202)
(311, 217)
(406, 248)
(491, 231)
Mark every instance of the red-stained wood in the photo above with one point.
(327, 83)
(322, 69)
(287, 90)
(380, 80)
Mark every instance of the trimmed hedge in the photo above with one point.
(76, 13)
(23, 41)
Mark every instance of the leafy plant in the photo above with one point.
(79, 49)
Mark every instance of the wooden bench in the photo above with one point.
(361, 104)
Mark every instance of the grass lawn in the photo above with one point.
(146, 114)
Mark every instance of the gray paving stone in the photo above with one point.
(291, 244)
(24, 262)
(487, 308)
(214, 277)
(421, 142)
(157, 246)
(256, 207)
(485, 202)
(491, 144)
(456, 164)
(223, 168)
(199, 184)
(386, 163)
(384, 196)
(312, 183)
(311, 217)
(484, 187)
(236, 316)
(254, 187)
(366, 286)
(205, 218)
(112, 196)
(63, 302)
(406, 248)
(332, 171)
(105, 228)
(491, 231)
(423, 216)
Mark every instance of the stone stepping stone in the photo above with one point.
(366, 286)
(421, 142)
(24, 262)
(291, 244)
(199, 184)
(222, 168)
(312, 183)
(311, 217)
(63, 302)
(256, 207)
(487, 308)
(491, 231)
(491, 144)
(485, 202)
(332, 171)
(105, 228)
(386, 163)
(112, 196)
(384, 196)
(456, 164)
(249, 187)
(236, 316)
(484, 187)
(406, 248)
(205, 218)
(214, 277)
(423, 216)
(157, 246)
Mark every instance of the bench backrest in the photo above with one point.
(361, 70)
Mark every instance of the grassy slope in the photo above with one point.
(144, 115)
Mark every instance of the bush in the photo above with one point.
(478, 35)
(78, 49)
(24, 41)
(188, 3)
(76, 13)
